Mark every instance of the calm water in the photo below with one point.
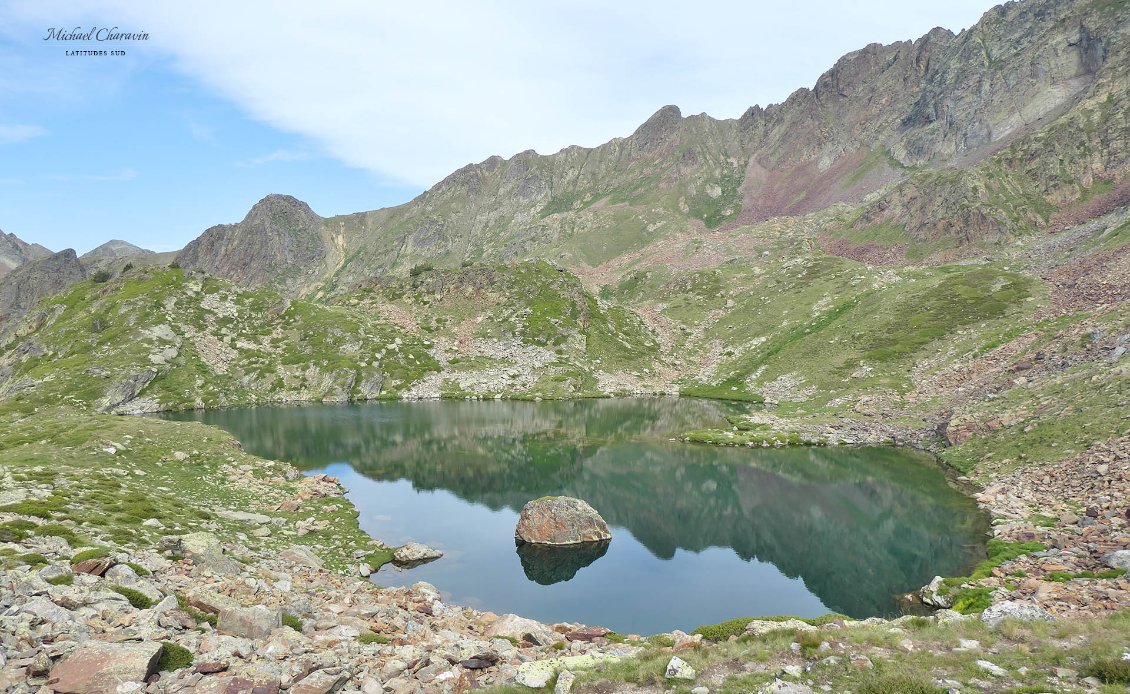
(700, 533)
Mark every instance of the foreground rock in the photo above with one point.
(276, 624)
(560, 520)
(104, 667)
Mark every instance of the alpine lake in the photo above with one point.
(700, 533)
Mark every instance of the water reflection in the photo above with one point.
(546, 564)
(859, 526)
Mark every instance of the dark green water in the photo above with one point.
(700, 533)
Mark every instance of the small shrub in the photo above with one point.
(809, 641)
(173, 657)
(559, 646)
(292, 621)
(102, 276)
(899, 684)
(57, 530)
(1108, 671)
(174, 265)
(64, 580)
(420, 269)
(615, 638)
(918, 623)
(92, 553)
(369, 637)
(127, 268)
(138, 569)
(970, 600)
(32, 559)
(724, 630)
(136, 598)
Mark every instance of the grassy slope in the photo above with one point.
(108, 474)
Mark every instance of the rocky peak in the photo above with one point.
(281, 211)
(116, 248)
(14, 252)
(656, 130)
(27, 285)
(279, 243)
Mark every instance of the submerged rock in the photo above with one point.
(560, 520)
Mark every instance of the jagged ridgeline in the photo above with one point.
(927, 149)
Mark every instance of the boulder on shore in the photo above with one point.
(560, 520)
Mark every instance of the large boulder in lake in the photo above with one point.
(560, 520)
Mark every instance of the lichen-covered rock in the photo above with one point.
(932, 594)
(560, 520)
(1118, 560)
(205, 550)
(522, 629)
(249, 622)
(1010, 609)
(679, 669)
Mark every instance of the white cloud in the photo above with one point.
(11, 182)
(411, 91)
(10, 134)
(275, 156)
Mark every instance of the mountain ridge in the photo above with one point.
(954, 133)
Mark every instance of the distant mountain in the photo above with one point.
(922, 149)
(115, 248)
(15, 252)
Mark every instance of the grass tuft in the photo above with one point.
(173, 657)
(136, 598)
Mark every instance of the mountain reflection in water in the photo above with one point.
(858, 526)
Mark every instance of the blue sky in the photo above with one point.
(355, 104)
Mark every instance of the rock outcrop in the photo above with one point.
(280, 243)
(28, 284)
(560, 520)
(14, 252)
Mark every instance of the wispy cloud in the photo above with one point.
(201, 132)
(120, 175)
(276, 156)
(412, 91)
(10, 134)
(11, 182)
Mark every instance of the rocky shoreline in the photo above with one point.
(255, 624)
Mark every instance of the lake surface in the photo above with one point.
(700, 534)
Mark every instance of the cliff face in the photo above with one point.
(35, 280)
